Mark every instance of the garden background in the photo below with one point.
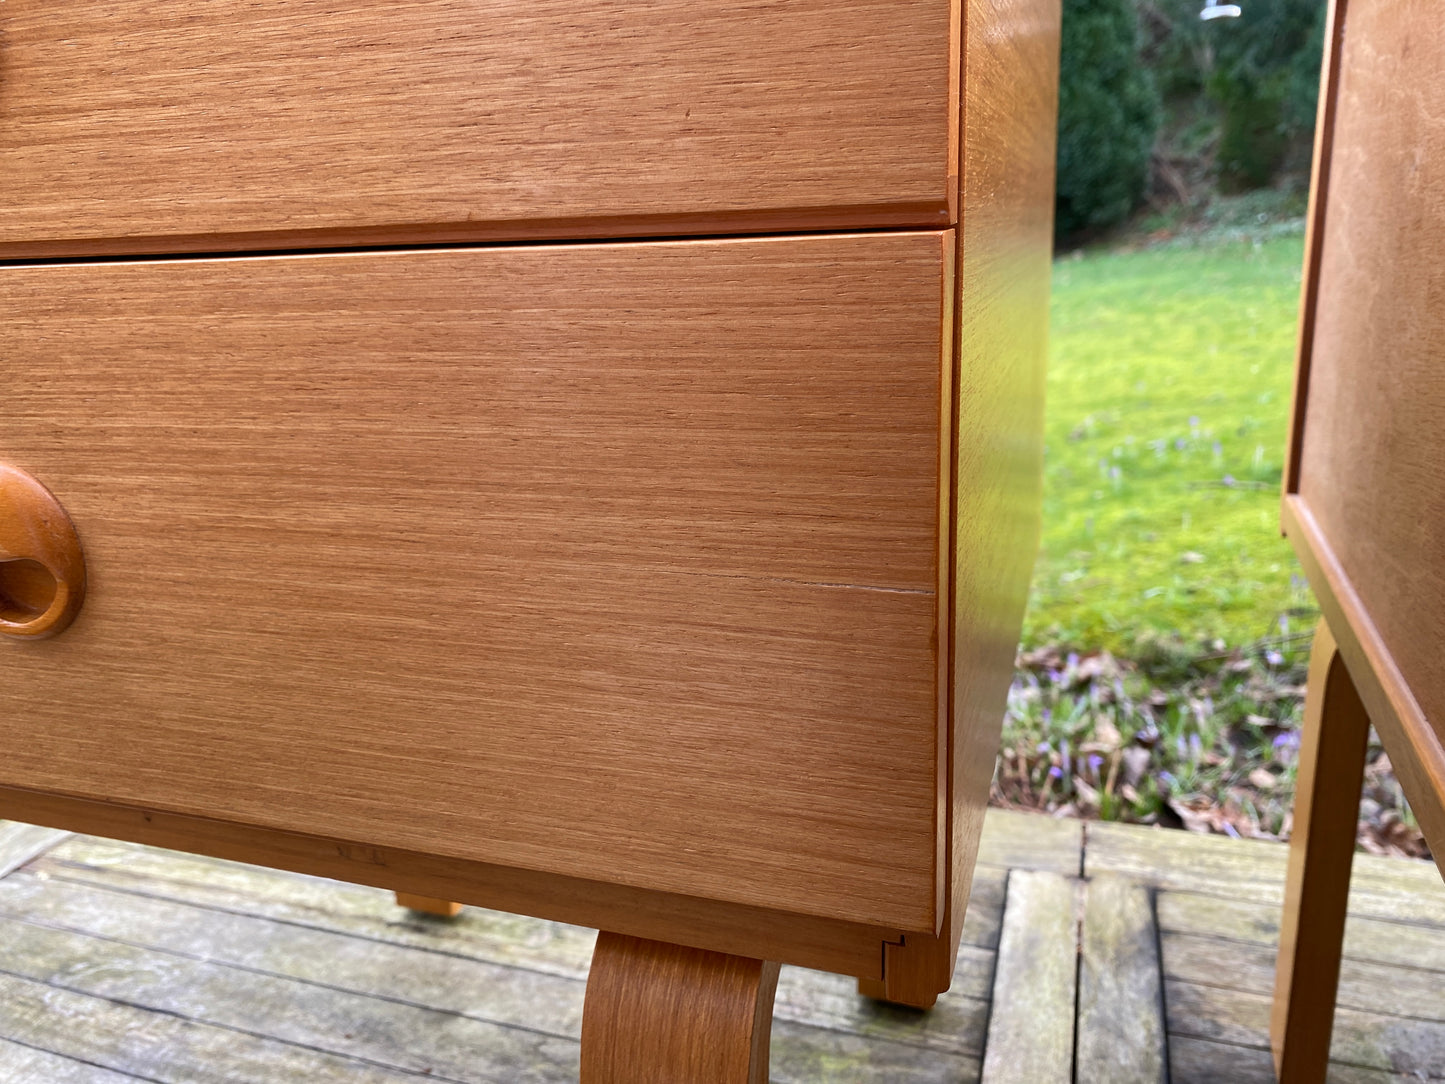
(1162, 668)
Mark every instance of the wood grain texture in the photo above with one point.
(503, 968)
(1371, 468)
(1016, 840)
(1009, 117)
(660, 1014)
(651, 530)
(1120, 1027)
(1031, 1025)
(314, 1020)
(1314, 235)
(1413, 944)
(428, 905)
(42, 568)
(1394, 990)
(1416, 753)
(163, 1046)
(24, 1065)
(170, 126)
(1387, 1018)
(21, 843)
(828, 944)
(1317, 888)
(1247, 870)
(1412, 1048)
(194, 918)
(1199, 1061)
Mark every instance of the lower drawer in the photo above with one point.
(618, 561)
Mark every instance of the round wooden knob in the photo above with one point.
(42, 569)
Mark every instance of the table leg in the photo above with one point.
(912, 974)
(658, 1013)
(428, 905)
(1322, 846)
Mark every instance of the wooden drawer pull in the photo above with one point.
(42, 569)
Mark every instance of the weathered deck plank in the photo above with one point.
(1199, 1061)
(317, 903)
(1252, 869)
(394, 1035)
(1360, 1040)
(1404, 944)
(513, 972)
(121, 963)
(27, 1065)
(1031, 1028)
(1120, 1023)
(1364, 985)
(159, 1047)
(434, 979)
(291, 897)
(803, 1055)
(19, 843)
(1012, 840)
(386, 952)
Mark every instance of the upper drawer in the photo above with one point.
(172, 125)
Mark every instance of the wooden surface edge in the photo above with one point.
(21, 844)
(428, 905)
(943, 602)
(1321, 851)
(660, 1013)
(1415, 749)
(955, 108)
(1119, 1029)
(806, 941)
(1031, 1025)
(1000, 232)
(902, 216)
(1314, 239)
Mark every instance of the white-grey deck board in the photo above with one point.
(121, 963)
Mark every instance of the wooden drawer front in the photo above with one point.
(172, 125)
(618, 561)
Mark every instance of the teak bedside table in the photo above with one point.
(580, 459)
(1364, 488)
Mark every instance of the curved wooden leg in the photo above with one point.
(663, 1014)
(1322, 847)
(428, 905)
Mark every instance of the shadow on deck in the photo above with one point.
(1097, 953)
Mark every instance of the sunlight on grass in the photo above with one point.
(1169, 391)
(1168, 402)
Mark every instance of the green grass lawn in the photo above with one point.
(1168, 400)
(1169, 389)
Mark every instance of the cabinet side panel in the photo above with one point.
(1011, 65)
(1372, 465)
(1010, 117)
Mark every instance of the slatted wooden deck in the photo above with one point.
(1095, 953)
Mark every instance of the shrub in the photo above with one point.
(1266, 79)
(1108, 115)
(1259, 74)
